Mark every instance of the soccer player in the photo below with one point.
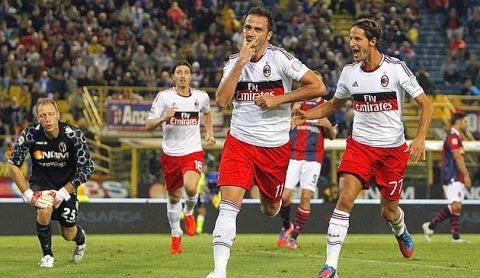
(178, 110)
(60, 163)
(376, 150)
(306, 157)
(455, 178)
(256, 151)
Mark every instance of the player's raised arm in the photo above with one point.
(226, 89)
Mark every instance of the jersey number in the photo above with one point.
(279, 191)
(396, 184)
(198, 165)
(69, 214)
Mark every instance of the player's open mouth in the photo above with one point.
(356, 52)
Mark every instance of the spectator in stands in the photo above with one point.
(438, 5)
(457, 48)
(44, 83)
(469, 89)
(175, 14)
(450, 71)
(472, 67)
(474, 24)
(453, 25)
(423, 78)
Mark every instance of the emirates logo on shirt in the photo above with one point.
(247, 91)
(184, 118)
(376, 102)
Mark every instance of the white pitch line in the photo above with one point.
(367, 261)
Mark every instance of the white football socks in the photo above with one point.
(173, 214)
(224, 235)
(190, 203)
(337, 231)
(398, 227)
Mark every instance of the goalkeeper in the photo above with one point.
(60, 163)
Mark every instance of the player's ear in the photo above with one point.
(269, 35)
(373, 41)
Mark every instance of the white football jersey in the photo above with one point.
(181, 134)
(271, 75)
(377, 100)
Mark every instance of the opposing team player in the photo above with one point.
(376, 150)
(258, 80)
(60, 163)
(455, 178)
(306, 157)
(178, 110)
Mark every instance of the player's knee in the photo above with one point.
(270, 211)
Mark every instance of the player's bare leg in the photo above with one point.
(268, 207)
(190, 182)
(287, 226)
(174, 208)
(44, 232)
(77, 234)
(394, 215)
(225, 228)
(349, 188)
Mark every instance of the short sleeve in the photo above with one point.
(291, 66)
(342, 91)
(407, 80)
(158, 107)
(453, 142)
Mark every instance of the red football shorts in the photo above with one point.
(243, 165)
(174, 167)
(386, 165)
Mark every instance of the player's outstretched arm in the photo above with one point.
(312, 87)
(325, 109)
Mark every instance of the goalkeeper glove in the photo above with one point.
(59, 196)
(39, 199)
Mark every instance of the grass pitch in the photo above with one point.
(252, 256)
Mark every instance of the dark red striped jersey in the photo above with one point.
(308, 139)
(450, 171)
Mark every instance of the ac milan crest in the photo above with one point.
(196, 104)
(384, 80)
(267, 70)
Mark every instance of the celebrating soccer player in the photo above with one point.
(178, 110)
(376, 151)
(60, 163)
(258, 80)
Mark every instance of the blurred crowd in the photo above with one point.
(51, 48)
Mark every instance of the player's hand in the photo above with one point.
(247, 51)
(299, 117)
(169, 113)
(59, 196)
(416, 149)
(467, 181)
(266, 102)
(39, 199)
(210, 140)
